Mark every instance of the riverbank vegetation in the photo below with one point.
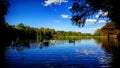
(22, 32)
(110, 30)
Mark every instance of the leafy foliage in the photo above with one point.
(83, 9)
(98, 32)
(3, 11)
(23, 32)
(109, 28)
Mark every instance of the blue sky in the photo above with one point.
(53, 14)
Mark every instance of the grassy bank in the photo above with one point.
(77, 37)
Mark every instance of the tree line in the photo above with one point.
(23, 32)
(110, 29)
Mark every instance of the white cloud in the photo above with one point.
(105, 14)
(58, 2)
(90, 21)
(70, 7)
(101, 13)
(64, 16)
(101, 21)
(88, 30)
(97, 16)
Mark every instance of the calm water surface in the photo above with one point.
(85, 53)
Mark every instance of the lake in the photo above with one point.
(83, 53)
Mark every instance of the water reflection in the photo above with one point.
(86, 53)
(46, 43)
(112, 46)
(19, 45)
(72, 41)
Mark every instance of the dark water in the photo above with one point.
(85, 53)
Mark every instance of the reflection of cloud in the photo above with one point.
(64, 16)
(103, 59)
(87, 51)
(49, 2)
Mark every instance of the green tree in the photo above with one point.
(109, 28)
(98, 32)
(20, 26)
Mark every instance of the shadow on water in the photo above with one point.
(3, 62)
(111, 46)
(20, 45)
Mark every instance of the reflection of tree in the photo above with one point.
(20, 45)
(112, 47)
(72, 41)
(46, 43)
(19, 49)
(98, 40)
(108, 44)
